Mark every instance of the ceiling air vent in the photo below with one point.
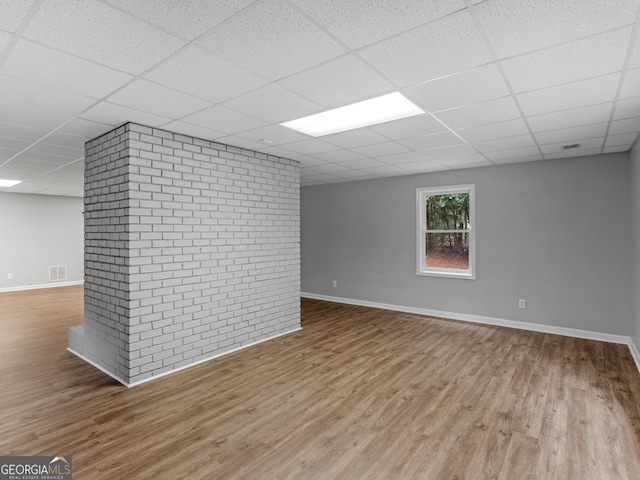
(571, 146)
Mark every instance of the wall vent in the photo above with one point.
(57, 273)
(571, 146)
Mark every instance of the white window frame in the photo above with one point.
(421, 199)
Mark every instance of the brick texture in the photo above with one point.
(192, 249)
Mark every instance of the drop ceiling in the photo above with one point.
(502, 81)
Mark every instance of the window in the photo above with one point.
(446, 231)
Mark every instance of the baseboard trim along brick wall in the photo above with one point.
(192, 250)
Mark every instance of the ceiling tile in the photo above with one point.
(19, 93)
(273, 135)
(338, 156)
(634, 61)
(616, 149)
(382, 19)
(354, 175)
(66, 140)
(22, 132)
(224, 120)
(274, 104)
(423, 167)
(480, 113)
(571, 118)
(240, 142)
(475, 164)
(40, 162)
(5, 38)
(471, 86)
(570, 135)
(401, 158)
(505, 143)
(452, 152)
(387, 170)
(571, 95)
(510, 160)
(23, 115)
(144, 95)
(186, 19)
(310, 162)
(627, 108)
(321, 177)
(381, 149)
(310, 147)
(284, 153)
(586, 144)
(355, 138)
(57, 150)
(435, 140)
(111, 114)
(409, 127)
(272, 39)
(574, 153)
(514, 153)
(454, 45)
(193, 130)
(23, 169)
(631, 85)
(589, 57)
(339, 82)
(56, 69)
(13, 11)
(630, 125)
(510, 128)
(329, 168)
(197, 72)
(86, 128)
(624, 139)
(362, 163)
(518, 26)
(472, 158)
(96, 31)
(11, 146)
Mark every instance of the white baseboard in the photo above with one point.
(41, 285)
(133, 384)
(103, 370)
(634, 353)
(535, 327)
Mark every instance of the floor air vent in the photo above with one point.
(57, 273)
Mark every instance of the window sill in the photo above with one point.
(461, 274)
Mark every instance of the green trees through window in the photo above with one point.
(445, 231)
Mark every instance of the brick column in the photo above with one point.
(192, 249)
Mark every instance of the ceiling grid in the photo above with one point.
(501, 81)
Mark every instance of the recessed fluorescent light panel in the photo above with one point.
(393, 106)
(9, 183)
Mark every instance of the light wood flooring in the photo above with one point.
(359, 393)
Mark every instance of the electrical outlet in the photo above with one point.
(335, 283)
(10, 276)
(521, 303)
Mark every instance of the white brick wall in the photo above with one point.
(192, 249)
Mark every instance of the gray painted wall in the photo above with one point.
(38, 231)
(555, 233)
(635, 205)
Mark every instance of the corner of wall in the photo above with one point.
(635, 247)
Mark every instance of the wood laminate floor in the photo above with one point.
(359, 393)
